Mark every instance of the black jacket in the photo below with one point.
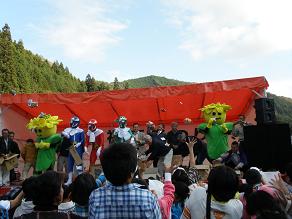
(157, 148)
(12, 147)
(162, 135)
(64, 149)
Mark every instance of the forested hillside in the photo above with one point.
(152, 81)
(283, 108)
(24, 72)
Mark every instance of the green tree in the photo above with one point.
(101, 85)
(23, 77)
(126, 85)
(116, 84)
(8, 74)
(90, 83)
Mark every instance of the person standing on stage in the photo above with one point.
(172, 136)
(238, 132)
(161, 132)
(63, 154)
(77, 138)
(123, 133)
(95, 139)
(157, 150)
(6, 147)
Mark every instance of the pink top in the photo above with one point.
(166, 201)
(264, 188)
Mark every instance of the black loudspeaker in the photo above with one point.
(268, 146)
(265, 111)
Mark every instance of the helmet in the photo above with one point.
(75, 122)
(92, 125)
(122, 121)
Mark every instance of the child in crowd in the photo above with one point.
(261, 204)
(166, 200)
(181, 193)
(26, 205)
(67, 204)
(120, 198)
(254, 182)
(29, 156)
(47, 195)
(82, 187)
(219, 201)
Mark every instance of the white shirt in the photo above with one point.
(66, 207)
(4, 204)
(197, 206)
(26, 207)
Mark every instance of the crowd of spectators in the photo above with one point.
(122, 191)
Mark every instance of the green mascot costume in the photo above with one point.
(215, 129)
(47, 142)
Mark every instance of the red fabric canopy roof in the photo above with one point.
(158, 104)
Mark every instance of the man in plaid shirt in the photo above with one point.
(119, 198)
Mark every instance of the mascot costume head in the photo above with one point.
(215, 112)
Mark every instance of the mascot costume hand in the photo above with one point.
(47, 142)
(215, 128)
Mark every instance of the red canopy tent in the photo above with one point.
(157, 104)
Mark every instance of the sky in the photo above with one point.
(188, 40)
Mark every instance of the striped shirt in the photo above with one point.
(127, 201)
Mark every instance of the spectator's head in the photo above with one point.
(11, 135)
(174, 126)
(82, 187)
(135, 127)
(182, 192)
(252, 177)
(48, 189)
(234, 146)
(150, 127)
(67, 192)
(161, 127)
(119, 163)
(28, 187)
(183, 136)
(222, 183)
(180, 175)
(261, 203)
(5, 133)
